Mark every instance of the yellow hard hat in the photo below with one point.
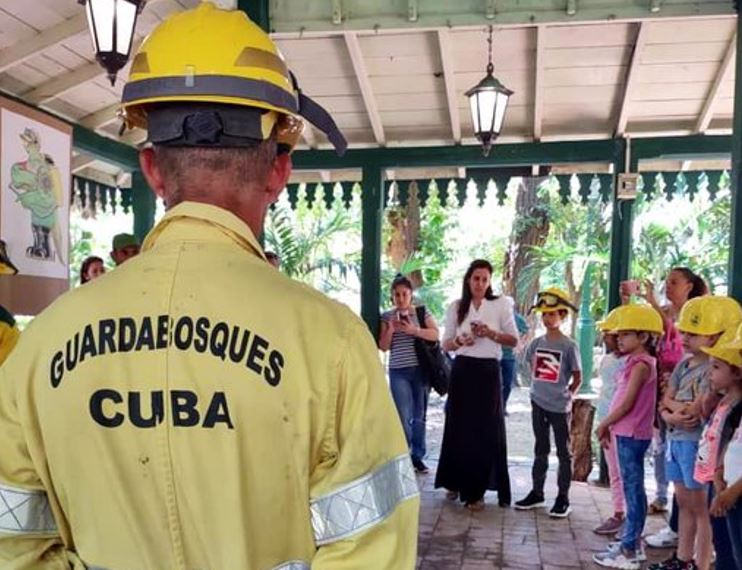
(729, 355)
(553, 299)
(709, 315)
(736, 342)
(222, 59)
(638, 318)
(608, 324)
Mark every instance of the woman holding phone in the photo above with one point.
(399, 329)
(474, 450)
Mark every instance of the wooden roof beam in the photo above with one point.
(707, 113)
(632, 78)
(101, 118)
(538, 84)
(364, 83)
(25, 49)
(444, 43)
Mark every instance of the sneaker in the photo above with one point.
(609, 526)
(657, 507)
(419, 466)
(672, 563)
(617, 557)
(641, 554)
(561, 508)
(666, 538)
(532, 501)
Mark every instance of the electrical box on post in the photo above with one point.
(627, 187)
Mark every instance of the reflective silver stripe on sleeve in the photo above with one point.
(25, 512)
(363, 503)
(293, 565)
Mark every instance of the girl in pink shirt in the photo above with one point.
(726, 380)
(631, 422)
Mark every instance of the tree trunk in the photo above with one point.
(530, 228)
(405, 233)
(581, 432)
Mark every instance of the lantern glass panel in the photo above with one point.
(103, 15)
(127, 13)
(501, 105)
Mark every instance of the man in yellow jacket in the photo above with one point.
(196, 409)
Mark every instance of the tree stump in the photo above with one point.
(581, 432)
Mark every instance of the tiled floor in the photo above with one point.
(452, 538)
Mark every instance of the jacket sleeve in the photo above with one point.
(364, 495)
(29, 539)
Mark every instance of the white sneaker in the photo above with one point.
(641, 554)
(666, 538)
(616, 557)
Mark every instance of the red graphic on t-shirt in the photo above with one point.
(547, 365)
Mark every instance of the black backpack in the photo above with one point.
(433, 361)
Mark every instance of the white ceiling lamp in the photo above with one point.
(488, 101)
(112, 24)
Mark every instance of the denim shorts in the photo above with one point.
(681, 462)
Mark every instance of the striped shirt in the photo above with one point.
(402, 352)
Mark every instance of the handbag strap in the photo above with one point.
(420, 316)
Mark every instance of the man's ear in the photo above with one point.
(279, 176)
(152, 173)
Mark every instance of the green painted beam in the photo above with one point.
(461, 156)
(302, 16)
(735, 245)
(514, 154)
(108, 150)
(257, 10)
(372, 198)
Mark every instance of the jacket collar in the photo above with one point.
(224, 220)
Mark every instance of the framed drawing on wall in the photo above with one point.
(35, 180)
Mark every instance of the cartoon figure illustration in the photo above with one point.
(37, 184)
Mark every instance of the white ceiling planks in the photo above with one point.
(406, 86)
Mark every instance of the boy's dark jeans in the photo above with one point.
(559, 422)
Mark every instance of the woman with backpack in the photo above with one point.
(400, 327)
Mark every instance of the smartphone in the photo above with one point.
(632, 287)
(403, 316)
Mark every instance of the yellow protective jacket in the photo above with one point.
(8, 333)
(197, 410)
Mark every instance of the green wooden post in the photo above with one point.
(621, 225)
(257, 11)
(372, 201)
(143, 205)
(735, 242)
(586, 332)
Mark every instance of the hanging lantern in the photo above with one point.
(488, 101)
(112, 24)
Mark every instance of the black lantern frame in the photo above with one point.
(488, 101)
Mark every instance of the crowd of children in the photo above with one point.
(700, 406)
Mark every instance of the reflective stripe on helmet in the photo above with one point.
(25, 512)
(363, 503)
(209, 85)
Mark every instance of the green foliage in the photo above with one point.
(315, 244)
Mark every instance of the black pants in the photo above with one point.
(559, 423)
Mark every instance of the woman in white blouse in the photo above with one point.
(474, 451)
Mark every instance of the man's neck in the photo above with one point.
(554, 334)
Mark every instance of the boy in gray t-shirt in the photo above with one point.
(554, 362)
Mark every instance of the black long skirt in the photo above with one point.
(474, 454)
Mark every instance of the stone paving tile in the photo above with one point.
(452, 538)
